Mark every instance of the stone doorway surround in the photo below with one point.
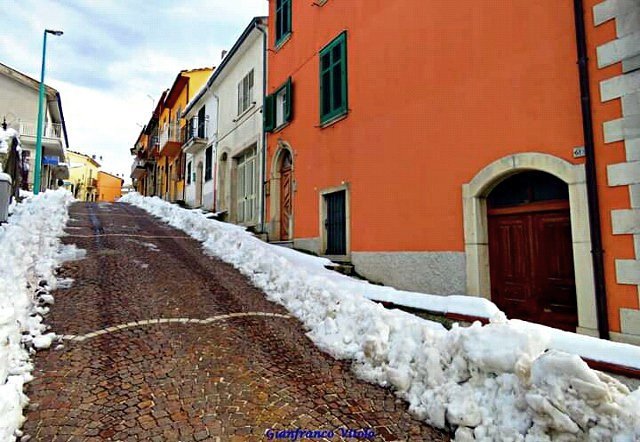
(274, 191)
(476, 236)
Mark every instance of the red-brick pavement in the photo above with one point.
(229, 378)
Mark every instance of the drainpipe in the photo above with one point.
(590, 168)
(64, 124)
(183, 158)
(263, 156)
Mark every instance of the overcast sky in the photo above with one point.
(113, 54)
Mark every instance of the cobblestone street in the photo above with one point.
(162, 342)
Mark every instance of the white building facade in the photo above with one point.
(199, 149)
(19, 109)
(225, 146)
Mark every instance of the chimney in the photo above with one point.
(224, 54)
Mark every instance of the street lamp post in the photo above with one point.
(36, 178)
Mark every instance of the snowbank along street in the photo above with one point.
(162, 341)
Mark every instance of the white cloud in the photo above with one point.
(113, 54)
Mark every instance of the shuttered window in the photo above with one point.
(246, 187)
(333, 79)
(278, 107)
(245, 92)
(283, 20)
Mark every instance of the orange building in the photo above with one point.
(440, 147)
(109, 187)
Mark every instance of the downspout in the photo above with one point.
(183, 157)
(263, 156)
(590, 169)
(64, 125)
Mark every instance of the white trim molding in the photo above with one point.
(322, 210)
(274, 191)
(476, 237)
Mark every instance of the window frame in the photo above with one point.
(279, 40)
(287, 105)
(334, 113)
(246, 88)
(208, 164)
(246, 186)
(271, 107)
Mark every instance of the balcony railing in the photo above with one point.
(195, 129)
(92, 183)
(138, 163)
(138, 168)
(171, 133)
(49, 130)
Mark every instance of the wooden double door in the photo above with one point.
(286, 197)
(531, 262)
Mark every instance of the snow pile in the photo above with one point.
(5, 139)
(493, 382)
(30, 250)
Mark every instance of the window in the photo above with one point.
(246, 189)
(283, 20)
(208, 163)
(245, 92)
(201, 120)
(333, 79)
(189, 172)
(278, 107)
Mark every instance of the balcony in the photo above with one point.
(170, 140)
(52, 144)
(92, 183)
(138, 168)
(195, 134)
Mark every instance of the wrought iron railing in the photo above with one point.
(49, 130)
(195, 128)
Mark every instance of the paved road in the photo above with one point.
(150, 353)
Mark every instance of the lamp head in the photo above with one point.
(51, 31)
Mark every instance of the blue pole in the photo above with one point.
(36, 178)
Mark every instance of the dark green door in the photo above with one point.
(336, 223)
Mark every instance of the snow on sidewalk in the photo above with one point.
(30, 250)
(503, 381)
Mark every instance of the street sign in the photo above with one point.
(50, 161)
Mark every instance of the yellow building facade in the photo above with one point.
(83, 176)
(109, 187)
(171, 127)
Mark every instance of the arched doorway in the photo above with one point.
(476, 231)
(530, 249)
(199, 172)
(286, 195)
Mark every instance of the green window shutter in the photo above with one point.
(288, 104)
(283, 19)
(333, 79)
(268, 113)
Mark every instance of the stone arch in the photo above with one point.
(274, 187)
(476, 235)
